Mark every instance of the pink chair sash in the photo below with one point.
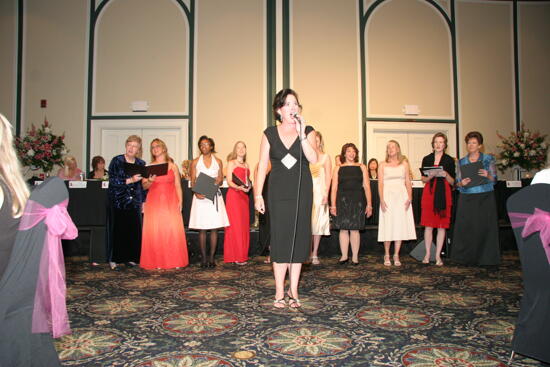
(539, 221)
(50, 308)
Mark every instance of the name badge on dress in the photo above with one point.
(289, 161)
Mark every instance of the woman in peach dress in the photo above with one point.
(163, 243)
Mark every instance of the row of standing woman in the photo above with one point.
(292, 147)
(159, 242)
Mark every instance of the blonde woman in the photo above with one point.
(237, 234)
(163, 244)
(13, 193)
(396, 222)
(321, 173)
(70, 170)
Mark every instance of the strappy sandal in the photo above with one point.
(294, 303)
(387, 261)
(396, 261)
(315, 260)
(279, 303)
(438, 262)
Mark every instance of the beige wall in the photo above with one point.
(325, 68)
(8, 43)
(142, 55)
(409, 62)
(534, 28)
(230, 74)
(54, 68)
(486, 70)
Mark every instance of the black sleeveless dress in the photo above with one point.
(284, 201)
(350, 199)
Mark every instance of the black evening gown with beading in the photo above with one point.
(289, 209)
(350, 199)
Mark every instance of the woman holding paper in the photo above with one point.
(436, 196)
(237, 235)
(126, 196)
(163, 245)
(475, 233)
(205, 213)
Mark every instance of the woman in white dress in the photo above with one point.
(396, 222)
(205, 213)
(321, 173)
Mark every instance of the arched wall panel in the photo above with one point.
(408, 60)
(139, 58)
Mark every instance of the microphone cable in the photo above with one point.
(290, 294)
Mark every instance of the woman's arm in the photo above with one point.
(333, 191)
(177, 183)
(366, 187)
(328, 178)
(262, 172)
(449, 174)
(219, 179)
(408, 186)
(307, 147)
(229, 176)
(383, 205)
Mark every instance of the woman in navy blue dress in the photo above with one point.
(126, 196)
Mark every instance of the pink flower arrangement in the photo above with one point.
(523, 149)
(40, 148)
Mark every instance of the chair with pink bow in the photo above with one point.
(529, 212)
(33, 307)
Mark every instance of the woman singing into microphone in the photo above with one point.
(289, 147)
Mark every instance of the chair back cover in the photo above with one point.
(532, 332)
(18, 345)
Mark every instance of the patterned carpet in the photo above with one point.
(366, 315)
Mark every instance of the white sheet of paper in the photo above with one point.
(78, 184)
(289, 161)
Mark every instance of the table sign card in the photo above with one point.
(78, 184)
(37, 182)
(513, 183)
(417, 183)
(104, 184)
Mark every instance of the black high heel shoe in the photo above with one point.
(342, 262)
(354, 263)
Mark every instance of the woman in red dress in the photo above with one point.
(436, 196)
(237, 235)
(163, 244)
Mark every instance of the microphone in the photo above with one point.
(295, 117)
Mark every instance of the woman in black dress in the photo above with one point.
(289, 147)
(350, 201)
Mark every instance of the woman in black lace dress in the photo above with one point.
(350, 201)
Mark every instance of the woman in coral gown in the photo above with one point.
(237, 235)
(163, 243)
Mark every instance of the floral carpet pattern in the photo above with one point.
(366, 315)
